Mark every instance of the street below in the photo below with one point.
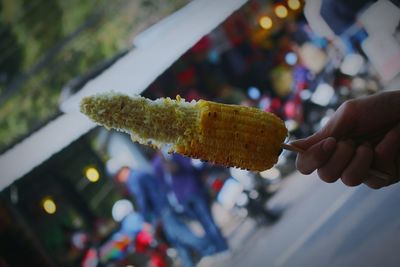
(323, 225)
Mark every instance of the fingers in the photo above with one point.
(385, 158)
(335, 160)
(354, 165)
(315, 156)
(357, 171)
(337, 163)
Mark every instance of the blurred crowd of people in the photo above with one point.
(166, 199)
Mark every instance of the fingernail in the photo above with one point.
(329, 144)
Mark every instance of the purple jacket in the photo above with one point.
(185, 182)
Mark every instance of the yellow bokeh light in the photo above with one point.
(266, 22)
(92, 174)
(294, 4)
(281, 11)
(49, 205)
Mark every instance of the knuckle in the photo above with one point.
(349, 106)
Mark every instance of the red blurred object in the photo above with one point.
(145, 243)
(237, 28)
(91, 258)
(290, 110)
(293, 109)
(186, 77)
(276, 104)
(158, 256)
(217, 184)
(202, 46)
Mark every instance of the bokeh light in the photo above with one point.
(120, 209)
(49, 205)
(291, 58)
(266, 22)
(254, 93)
(294, 4)
(281, 11)
(92, 174)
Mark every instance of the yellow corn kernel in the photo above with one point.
(238, 136)
(229, 135)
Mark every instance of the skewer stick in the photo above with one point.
(372, 172)
(292, 148)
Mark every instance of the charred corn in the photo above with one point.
(228, 135)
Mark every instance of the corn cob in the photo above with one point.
(228, 135)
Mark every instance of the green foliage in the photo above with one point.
(68, 38)
(29, 21)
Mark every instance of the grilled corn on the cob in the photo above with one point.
(229, 135)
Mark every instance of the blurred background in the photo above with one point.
(60, 203)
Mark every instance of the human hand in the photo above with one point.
(363, 134)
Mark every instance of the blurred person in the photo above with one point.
(188, 194)
(152, 203)
(363, 134)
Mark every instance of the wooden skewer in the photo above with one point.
(292, 148)
(372, 172)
